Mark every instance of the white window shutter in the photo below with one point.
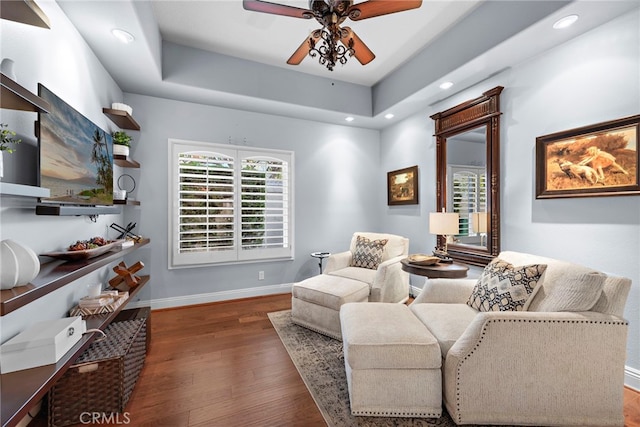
(229, 205)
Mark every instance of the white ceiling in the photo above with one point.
(226, 27)
(462, 41)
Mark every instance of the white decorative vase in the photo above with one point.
(121, 150)
(18, 264)
(6, 67)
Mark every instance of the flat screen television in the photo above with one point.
(76, 156)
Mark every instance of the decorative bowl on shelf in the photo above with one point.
(84, 253)
(422, 259)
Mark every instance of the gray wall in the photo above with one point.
(336, 192)
(591, 79)
(61, 60)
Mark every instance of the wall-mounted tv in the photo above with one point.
(76, 156)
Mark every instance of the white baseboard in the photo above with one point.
(212, 297)
(632, 377)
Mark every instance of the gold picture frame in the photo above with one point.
(595, 160)
(402, 186)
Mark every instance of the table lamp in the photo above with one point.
(479, 224)
(443, 224)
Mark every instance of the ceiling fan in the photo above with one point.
(335, 42)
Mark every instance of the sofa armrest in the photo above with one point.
(337, 261)
(447, 291)
(391, 283)
(539, 360)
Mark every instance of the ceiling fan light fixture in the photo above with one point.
(122, 36)
(331, 43)
(446, 85)
(565, 22)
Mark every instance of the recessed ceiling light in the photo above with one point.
(446, 85)
(349, 119)
(122, 35)
(388, 116)
(565, 22)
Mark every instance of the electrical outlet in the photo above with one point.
(261, 275)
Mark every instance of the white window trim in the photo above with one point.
(236, 256)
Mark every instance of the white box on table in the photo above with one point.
(41, 344)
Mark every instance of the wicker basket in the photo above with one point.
(102, 378)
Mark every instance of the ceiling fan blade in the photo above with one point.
(276, 9)
(371, 8)
(361, 51)
(303, 50)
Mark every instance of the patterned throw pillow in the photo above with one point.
(503, 287)
(368, 253)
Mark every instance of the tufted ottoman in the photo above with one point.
(316, 302)
(392, 362)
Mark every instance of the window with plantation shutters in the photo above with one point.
(468, 196)
(229, 204)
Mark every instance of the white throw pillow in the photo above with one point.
(577, 293)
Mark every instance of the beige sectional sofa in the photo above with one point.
(557, 359)
(560, 362)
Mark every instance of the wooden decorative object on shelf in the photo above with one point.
(126, 279)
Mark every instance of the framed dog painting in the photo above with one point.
(596, 160)
(402, 186)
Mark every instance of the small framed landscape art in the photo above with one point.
(596, 160)
(402, 186)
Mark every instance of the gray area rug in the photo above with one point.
(320, 362)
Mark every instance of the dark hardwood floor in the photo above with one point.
(222, 364)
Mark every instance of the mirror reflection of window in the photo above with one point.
(467, 183)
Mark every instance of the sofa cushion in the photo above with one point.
(505, 287)
(556, 273)
(577, 293)
(446, 321)
(368, 253)
(365, 275)
(614, 296)
(386, 336)
(330, 291)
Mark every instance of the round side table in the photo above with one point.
(436, 271)
(321, 256)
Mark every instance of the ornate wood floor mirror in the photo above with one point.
(468, 175)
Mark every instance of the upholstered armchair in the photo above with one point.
(558, 361)
(387, 281)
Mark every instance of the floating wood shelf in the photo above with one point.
(54, 275)
(15, 97)
(125, 161)
(127, 202)
(121, 118)
(25, 12)
(18, 190)
(22, 389)
(70, 210)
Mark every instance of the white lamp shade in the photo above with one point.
(479, 222)
(443, 223)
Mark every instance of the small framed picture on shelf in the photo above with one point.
(402, 186)
(595, 160)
